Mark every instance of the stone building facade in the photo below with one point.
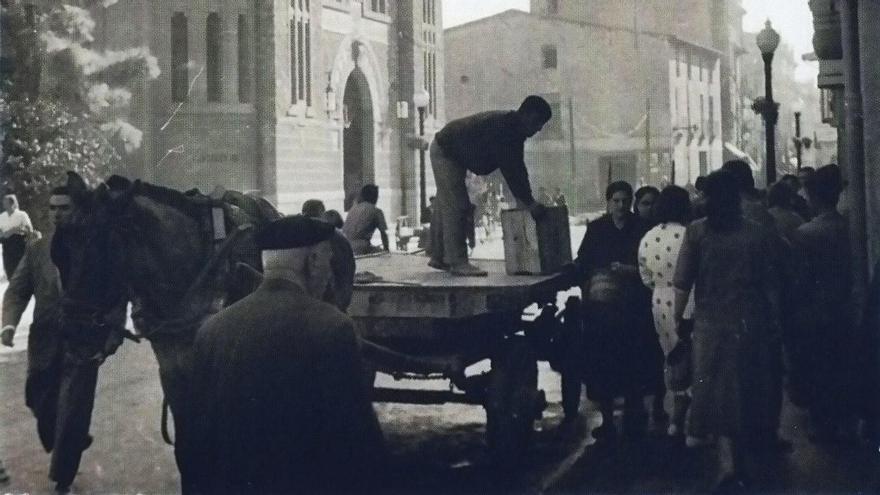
(634, 87)
(295, 99)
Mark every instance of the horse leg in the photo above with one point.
(175, 371)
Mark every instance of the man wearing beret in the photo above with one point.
(279, 401)
(482, 143)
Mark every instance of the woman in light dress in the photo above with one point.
(658, 256)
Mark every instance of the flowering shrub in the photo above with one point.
(66, 104)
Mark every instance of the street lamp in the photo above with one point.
(768, 41)
(329, 97)
(421, 99)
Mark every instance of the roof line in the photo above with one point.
(654, 34)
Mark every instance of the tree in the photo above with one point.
(63, 103)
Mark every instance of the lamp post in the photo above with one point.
(421, 98)
(768, 41)
(329, 97)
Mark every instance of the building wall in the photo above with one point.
(695, 82)
(604, 94)
(288, 151)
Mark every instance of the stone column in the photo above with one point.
(855, 166)
(869, 36)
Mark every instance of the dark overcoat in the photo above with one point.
(279, 402)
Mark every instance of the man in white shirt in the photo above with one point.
(15, 225)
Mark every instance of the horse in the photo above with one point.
(172, 255)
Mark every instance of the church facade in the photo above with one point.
(293, 99)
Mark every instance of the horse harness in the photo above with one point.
(213, 225)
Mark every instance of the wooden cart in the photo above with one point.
(426, 322)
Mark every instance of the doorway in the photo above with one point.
(357, 137)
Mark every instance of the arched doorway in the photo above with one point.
(357, 138)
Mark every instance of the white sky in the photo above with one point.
(791, 18)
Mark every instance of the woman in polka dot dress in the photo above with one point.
(658, 256)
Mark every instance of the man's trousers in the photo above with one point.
(451, 209)
(76, 398)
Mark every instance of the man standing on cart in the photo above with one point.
(480, 143)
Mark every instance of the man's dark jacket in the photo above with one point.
(486, 142)
(279, 399)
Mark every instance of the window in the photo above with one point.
(702, 115)
(429, 58)
(378, 6)
(429, 12)
(300, 53)
(675, 110)
(213, 57)
(244, 60)
(689, 65)
(179, 58)
(711, 118)
(677, 62)
(548, 53)
(552, 6)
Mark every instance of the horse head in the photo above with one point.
(133, 241)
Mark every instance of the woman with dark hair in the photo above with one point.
(658, 255)
(646, 197)
(823, 352)
(623, 355)
(728, 262)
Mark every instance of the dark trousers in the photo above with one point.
(13, 251)
(41, 397)
(76, 399)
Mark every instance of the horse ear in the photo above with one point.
(76, 186)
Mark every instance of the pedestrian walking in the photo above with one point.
(781, 203)
(63, 361)
(727, 260)
(624, 357)
(363, 220)
(480, 143)
(658, 257)
(825, 343)
(15, 225)
(279, 396)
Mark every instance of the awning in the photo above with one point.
(730, 149)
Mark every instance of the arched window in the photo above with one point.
(179, 57)
(244, 60)
(300, 52)
(213, 57)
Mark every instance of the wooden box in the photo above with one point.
(535, 248)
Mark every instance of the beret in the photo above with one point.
(291, 232)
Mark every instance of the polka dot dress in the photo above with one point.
(658, 255)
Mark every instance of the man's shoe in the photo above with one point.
(62, 490)
(438, 265)
(468, 270)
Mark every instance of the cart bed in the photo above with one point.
(410, 289)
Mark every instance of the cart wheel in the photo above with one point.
(513, 403)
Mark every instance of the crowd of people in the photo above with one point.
(725, 299)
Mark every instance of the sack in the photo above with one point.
(680, 361)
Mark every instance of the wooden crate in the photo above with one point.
(533, 248)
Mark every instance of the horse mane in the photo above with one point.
(164, 195)
(193, 201)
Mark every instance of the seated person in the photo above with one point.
(363, 220)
